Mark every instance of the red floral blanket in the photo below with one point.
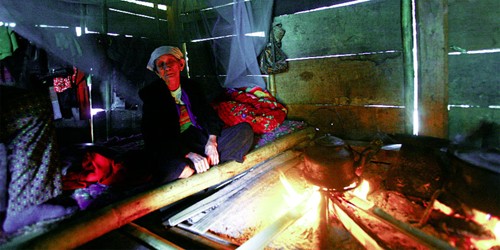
(255, 106)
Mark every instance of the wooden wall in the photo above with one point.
(347, 72)
(331, 84)
(346, 65)
(125, 18)
(335, 92)
(474, 79)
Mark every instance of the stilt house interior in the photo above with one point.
(410, 88)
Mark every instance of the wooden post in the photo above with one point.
(271, 86)
(104, 20)
(407, 35)
(432, 43)
(173, 23)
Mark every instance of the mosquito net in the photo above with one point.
(111, 40)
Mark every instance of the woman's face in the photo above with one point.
(168, 68)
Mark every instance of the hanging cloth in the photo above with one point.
(82, 94)
(8, 42)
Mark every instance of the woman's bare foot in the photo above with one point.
(186, 172)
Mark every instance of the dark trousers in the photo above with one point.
(233, 144)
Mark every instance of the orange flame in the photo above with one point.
(489, 223)
(359, 195)
(362, 190)
(292, 198)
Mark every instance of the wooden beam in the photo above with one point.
(359, 230)
(93, 224)
(148, 237)
(173, 23)
(432, 35)
(407, 31)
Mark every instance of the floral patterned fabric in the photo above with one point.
(286, 128)
(255, 106)
(33, 160)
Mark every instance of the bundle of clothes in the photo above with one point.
(253, 105)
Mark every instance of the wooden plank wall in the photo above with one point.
(346, 73)
(474, 79)
(127, 20)
(432, 68)
(331, 84)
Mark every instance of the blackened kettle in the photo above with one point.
(330, 163)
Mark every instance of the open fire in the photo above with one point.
(299, 206)
(372, 227)
(357, 199)
(282, 210)
(489, 225)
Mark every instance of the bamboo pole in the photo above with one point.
(359, 230)
(148, 237)
(414, 232)
(408, 230)
(272, 85)
(407, 34)
(88, 226)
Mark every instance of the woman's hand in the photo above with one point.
(200, 162)
(211, 150)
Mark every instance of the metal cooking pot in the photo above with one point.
(475, 178)
(331, 163)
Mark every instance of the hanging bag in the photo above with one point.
(273, 59)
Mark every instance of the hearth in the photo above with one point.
(386, 210)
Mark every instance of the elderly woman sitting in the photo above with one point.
(183, 135)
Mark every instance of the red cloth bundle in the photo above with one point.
(255, 106)
(99, 168)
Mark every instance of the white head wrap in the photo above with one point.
(162, 51)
